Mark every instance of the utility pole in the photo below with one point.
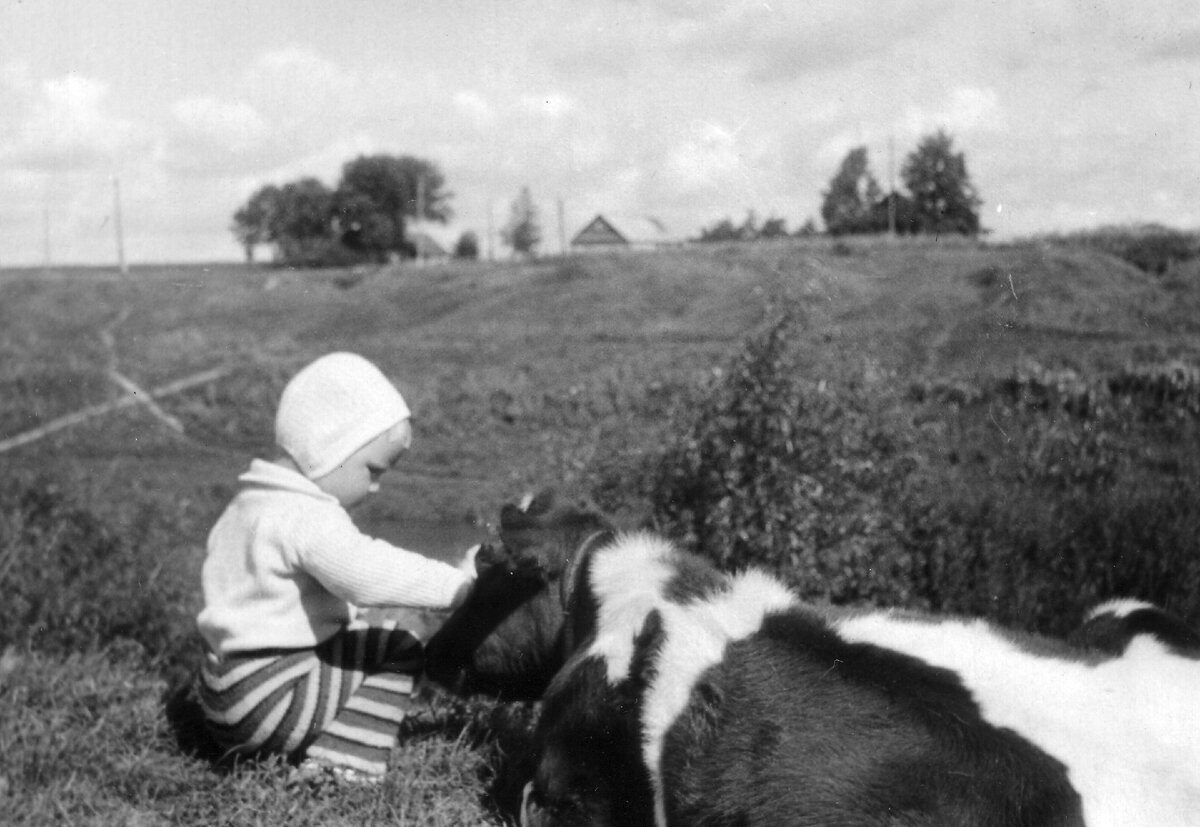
(562, 233)
(491, 256)
(891, 186)
(121, 263)
(46, 237)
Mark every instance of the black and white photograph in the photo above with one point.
(635, 413)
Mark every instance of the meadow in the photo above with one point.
(1000, 429)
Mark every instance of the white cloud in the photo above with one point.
(213, 137)
(63, 124)
(234, 126)
(705, 160)
(965, 111)
(474, 107)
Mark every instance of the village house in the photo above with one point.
(613, 233)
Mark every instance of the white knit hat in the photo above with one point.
(333, 407)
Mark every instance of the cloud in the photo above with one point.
(474, 107)
(966, 110)
(708, 159)
(234, 126)
(64, 125)
(291, 108)
(210, 136)
(782, 42)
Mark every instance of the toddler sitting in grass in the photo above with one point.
(286, 670)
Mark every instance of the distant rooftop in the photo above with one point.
(609, 230)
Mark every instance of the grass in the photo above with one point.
(84, 741)
(580, 372)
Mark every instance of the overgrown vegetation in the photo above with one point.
(1027, 499)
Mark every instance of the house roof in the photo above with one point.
(623, 230)
(425, 244)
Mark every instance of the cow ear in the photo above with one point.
(512, 517)
(579, 602)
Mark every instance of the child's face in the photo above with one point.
(358, 475)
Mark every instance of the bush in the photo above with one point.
(778, 473)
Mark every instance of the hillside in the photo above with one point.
(510, 367)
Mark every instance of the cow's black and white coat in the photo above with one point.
(693, 698)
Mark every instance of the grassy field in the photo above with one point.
(571, 372)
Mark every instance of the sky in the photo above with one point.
(1071, 115)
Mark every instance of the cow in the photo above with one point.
(695, 697)
(506, 641)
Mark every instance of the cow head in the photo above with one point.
(507, 639)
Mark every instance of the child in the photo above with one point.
(286, 671)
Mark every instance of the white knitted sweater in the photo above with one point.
(286, 566)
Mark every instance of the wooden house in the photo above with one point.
(610, 232)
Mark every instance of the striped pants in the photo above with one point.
(341, 702)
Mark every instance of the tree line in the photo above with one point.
(366, 216)
(938, 198)
(363, 218)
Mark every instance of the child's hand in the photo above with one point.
(467, 565)
(461, 595)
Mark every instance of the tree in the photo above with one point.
(773, 228)
(943, 198)
(467, 246)
(301, 225)
(723, 230)
(853, 192)
(522, 232)
(749, 229)
(252, 221)
(376, 196)
(295, 218)
(807, 229)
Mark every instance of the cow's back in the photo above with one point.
(795, 726)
